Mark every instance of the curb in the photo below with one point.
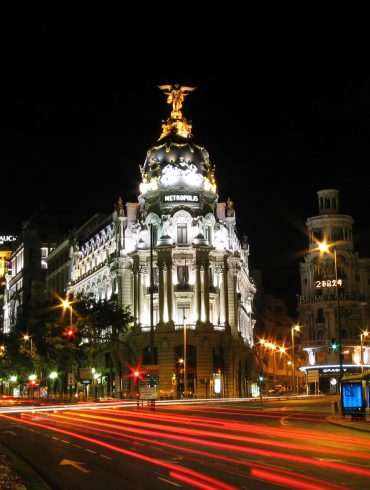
(363, 427)
(20, 468)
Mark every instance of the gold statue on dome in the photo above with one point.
(176, 95)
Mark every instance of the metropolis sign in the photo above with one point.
(190, 198)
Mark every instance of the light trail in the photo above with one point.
(292, 476)
(186, 472)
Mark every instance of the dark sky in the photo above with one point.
(72, 142)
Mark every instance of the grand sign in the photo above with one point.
(330, 297)
(189, 198)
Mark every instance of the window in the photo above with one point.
(182, 233)
(320, 316)
(182, 275)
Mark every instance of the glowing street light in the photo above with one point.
(324, 247)
(185, 360)
(295, 328)
(67, 304)
(26, 338)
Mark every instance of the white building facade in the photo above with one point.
(174, 258)
(334, 301)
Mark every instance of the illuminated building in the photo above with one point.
(6, 247)
(327, 291)
(174, 257)
(25, 280)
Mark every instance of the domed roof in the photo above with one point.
(175, 160)
(178, 152)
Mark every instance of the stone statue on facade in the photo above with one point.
(119, 207)
(230, 211)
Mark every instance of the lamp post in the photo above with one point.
(362, 335)
(27, 337)
(324, 247)
(185, 361)
(67, 304)
(295, 328)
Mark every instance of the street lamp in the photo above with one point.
(324, 247)
(362, 335)
(295, 328)
(27, 337)
(185, 361)
(67, 304)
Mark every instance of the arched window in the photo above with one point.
(320, 334)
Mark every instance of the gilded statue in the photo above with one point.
(176, 95)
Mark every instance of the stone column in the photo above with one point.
(161, 292)
(206, 291)
(136, 293)
(169, 291)
(222, 305)
(142, 305)
(198, 293)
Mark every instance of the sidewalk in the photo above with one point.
(362, 425)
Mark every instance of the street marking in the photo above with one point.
(67, 442)
(331, 460)
(283, 421)
(90, 451)
(168, 481)
(104, 456)
(10, 432)
(74, 464)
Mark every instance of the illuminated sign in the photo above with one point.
(181, 198)
(329, 283)
(7, 238)
(330, 297)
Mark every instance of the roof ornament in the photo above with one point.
(230, 211)
(119, 207)
(176, 95)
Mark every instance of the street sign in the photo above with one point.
(148, 392)
(85, 373)
(71, 379)
(313, 376)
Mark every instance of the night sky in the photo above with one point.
(72, 143)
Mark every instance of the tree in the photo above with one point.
(100, 326)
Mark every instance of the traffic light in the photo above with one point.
(334, 344)
(70, 334)
(261, 377)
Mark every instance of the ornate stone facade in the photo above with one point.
(174, 257)
(326, 292)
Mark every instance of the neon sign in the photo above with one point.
(181, 198)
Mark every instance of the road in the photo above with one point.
(207, 446)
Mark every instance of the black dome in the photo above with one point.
(175, 151)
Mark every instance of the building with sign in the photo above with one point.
(174, 258)
(334, 300)
(25, 277)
